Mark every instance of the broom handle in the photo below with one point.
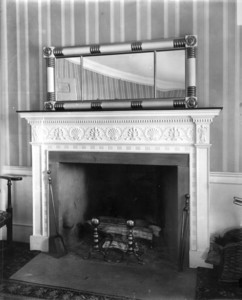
(52, 201)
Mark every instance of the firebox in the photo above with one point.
(115, 188)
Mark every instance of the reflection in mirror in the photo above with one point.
(170, 74)
(123, 76)
(68, 79)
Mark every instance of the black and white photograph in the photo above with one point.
(120, 149)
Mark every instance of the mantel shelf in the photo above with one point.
(205, 111)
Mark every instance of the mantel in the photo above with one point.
(178, 131)
(35, 114)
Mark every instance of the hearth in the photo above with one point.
(163, 133)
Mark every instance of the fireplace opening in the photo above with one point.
(149, 190)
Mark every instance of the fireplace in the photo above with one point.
(169, 138)
(150, 190)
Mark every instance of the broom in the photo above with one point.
(57, 246)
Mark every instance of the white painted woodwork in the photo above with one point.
(161, 131)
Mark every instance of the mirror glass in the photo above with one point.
(158, 74)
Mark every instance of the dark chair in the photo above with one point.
(6, 216)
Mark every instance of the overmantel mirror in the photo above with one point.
(157, 74)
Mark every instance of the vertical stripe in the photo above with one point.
(27, 76)
(130, 11)
(157, 23)
(67, 16)
(122, 24)
(112, 21)
(63, 23)
(194, 20)
(200, 19)
(72, 17)
(216, 70)
(48, 23)
(104, 24)
(165, 17)
(87, 21)
(186, 19)
(240, 84)
(1, 105)
(116, 89)
(116, 21)
(143, 24)
(4, 46)
(225, 84)
(171, 19)
(96, 22)
(237, 131)
(41, 104)
(177, 19)
(92, 21)
(148, 19)
(231, 140)
(138, 34)
(206, 54)
(19, 94)
(55, 20)
(12, 79)
(79, 22)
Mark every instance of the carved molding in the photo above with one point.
(77, 133)
(136, 128)
(202, 134)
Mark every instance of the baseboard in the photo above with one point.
(17, 170)
(197, 259)
(226, 178)
(22, 232)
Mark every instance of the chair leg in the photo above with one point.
(9, 209)
(9, 226)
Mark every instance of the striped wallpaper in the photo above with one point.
(28, 25)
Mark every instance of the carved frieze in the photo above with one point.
(79, 133)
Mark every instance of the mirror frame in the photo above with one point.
(188, 43)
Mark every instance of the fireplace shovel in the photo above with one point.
(57, 246)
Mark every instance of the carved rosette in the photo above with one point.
(191, 40)
(178, 134)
